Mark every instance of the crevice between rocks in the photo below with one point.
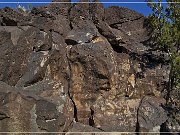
(8, 22)
(69, 87)
(3, 116)
(70, 25)
(114, 24)
(137, 122)
(120, 49)
(91, 119)
(115, 44)
(70, 42)
(69, 13)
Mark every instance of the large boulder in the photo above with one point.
(17, 57)
(38, 108)
(117, 15)
(10, 17)
(151, 114)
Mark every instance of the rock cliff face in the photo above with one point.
(80, 68)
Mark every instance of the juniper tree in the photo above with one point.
(165, 22)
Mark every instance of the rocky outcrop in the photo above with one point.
(80, 68)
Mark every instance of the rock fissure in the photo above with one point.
(69, 87)
(91, 120)
(137, 121)
(114, 24)
(3, 116)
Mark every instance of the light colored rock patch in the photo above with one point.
(44, 60)
(126, 66)
(44, 33)
(80, 42)
(62, 96)
(60, 108)
(97, 39)
(148, 111)
(27, 40)
(39, 43)
(129, 33)
(123, 110)
(45, 52)
(70, 36)
(119, 38)
(34, 126)
(48, 72)
(36, 70)
(87, 34)
(131, 80)
(55, 46)
(62, 93)
(155, 129)
(50, 120)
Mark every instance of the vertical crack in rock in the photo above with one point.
(114, 24)
(69, 84)
(3, 116)
(69, 12)
(137, 122)
(91, 119)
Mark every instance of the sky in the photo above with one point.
(134, 5)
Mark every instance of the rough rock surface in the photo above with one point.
(80, 68)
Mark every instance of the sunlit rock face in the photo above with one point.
(80, 68)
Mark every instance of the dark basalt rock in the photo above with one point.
(17, 57)
(81, 68)
(118, 15)
(61, 8)
(10, 17)
(151, 113)
(81, 128)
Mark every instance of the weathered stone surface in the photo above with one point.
(61, 25)
(135, 30)
(115, 15)
(12, 102)
(62, 7)
(10, 17)
(33, 110)
(47, 116)
(77, 128)
(42, 12)
(5, 42)
(14, 31)
(79, 12)
(117, 115)
(86, 78)
(31, 40)
(36, 69)
(81, 68)
(97, 11)
(151, 113)
(172, 124)
(82, 35)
